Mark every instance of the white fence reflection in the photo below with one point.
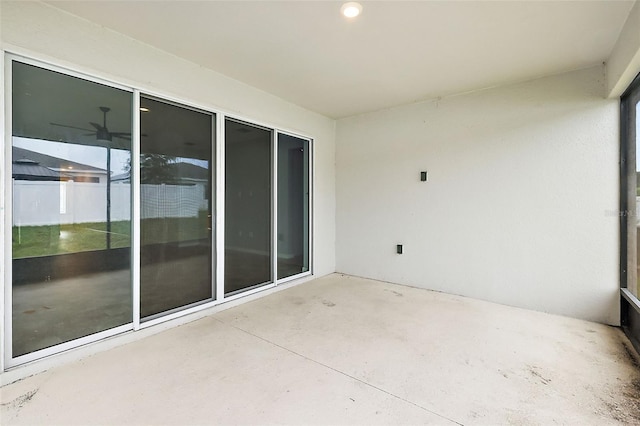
(50, 203)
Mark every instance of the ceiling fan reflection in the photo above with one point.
(101, 132)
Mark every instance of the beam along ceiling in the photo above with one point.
(394, 53)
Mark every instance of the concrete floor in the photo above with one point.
(52, 312)
(344, 350)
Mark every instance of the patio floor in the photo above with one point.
(346, 350)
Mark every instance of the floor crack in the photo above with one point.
(340, 372)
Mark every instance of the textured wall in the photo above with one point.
(519, 207)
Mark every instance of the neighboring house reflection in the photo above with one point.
(181, 173)
(31, 165)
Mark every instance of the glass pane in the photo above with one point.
(71, 217)
(293, 206)
(176, 206)
(247, 206)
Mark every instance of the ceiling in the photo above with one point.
(395, 53)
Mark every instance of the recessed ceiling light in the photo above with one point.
(351, 9)
(144, 109)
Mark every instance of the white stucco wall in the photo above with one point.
(45, 33)
(519, 207)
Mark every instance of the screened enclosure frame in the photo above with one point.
(629, 141)
(217, 199)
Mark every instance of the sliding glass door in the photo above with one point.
(70, 219)
(90, 178)
(248, 204)
(176, 146)
(293, 205)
